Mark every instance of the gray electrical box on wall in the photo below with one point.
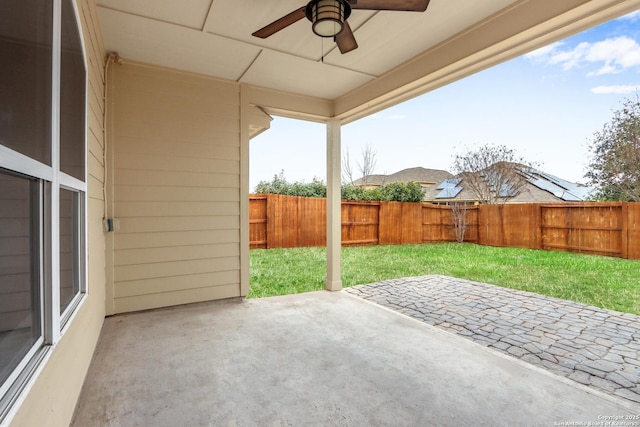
(111, 224)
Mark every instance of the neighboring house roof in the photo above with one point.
(540, 187)
(441, 186)
(373, 180)
(421, 175)
(418, 174)
(562, 189)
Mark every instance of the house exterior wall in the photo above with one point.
(50, 398)
(176, 158)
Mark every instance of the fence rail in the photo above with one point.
(611, 229)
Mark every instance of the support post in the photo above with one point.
(334, 208)
(244, 193)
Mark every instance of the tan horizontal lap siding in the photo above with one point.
(176, 188)
(124, 257)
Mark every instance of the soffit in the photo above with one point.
(397, 53)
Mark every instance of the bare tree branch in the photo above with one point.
(491, 173)
(368, 164)
(460, 222)
(347, 169)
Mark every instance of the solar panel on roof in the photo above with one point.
(507, 191)
(563, 189)
(449, 193)
(448, 183)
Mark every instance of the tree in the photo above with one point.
(280, 185)
(399, 192)
(460, 221)
(366, 166)
(614, 170)
(402, 192)
(347, 169)
(491, 173)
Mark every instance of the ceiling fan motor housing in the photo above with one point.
(327, 16)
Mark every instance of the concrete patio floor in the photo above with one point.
(319, 358)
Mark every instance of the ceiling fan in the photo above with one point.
(329, 18)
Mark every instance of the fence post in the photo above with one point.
(271, 224)
(624, 241)
(537, 226)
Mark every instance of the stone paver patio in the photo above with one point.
(595, 347)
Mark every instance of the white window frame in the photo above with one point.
(53, 323)
(71, 183)
(37, 350)
(80, 260)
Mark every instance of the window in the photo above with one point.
(20, 267)
(72, 96)
(26, 39)
(71, 241)
(42, 183)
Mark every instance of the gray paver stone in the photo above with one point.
(604, 384)
(627, 394)
(500, 345)
(586, 352)
(602, 365)
(620, 380)
(548, 357)
(531, 358)
(614, 358)
(590, 370)
(581, 377)
(557, 350)
(533, 348)
(631, 373)
(627, 354)
(622, 340)
(631, 361)
(517, 351)
(570, 344)
(554, 367)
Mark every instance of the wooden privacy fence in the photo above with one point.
(611, 229)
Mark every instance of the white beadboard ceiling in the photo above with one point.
(213, 37)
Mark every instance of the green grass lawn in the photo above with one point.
(601, 281)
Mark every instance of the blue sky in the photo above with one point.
(546, 106)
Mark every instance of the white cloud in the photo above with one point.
(618, 90)
(617, 54)
(612, 55)
(543, 52)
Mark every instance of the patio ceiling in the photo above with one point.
(400, 54)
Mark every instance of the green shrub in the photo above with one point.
(279, 185)
(396, 191)
(402, 192)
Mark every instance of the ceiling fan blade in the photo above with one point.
(281, 23)
(345, 40)
(405, 5)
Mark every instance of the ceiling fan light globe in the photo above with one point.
(327, 27)
(327, 16)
